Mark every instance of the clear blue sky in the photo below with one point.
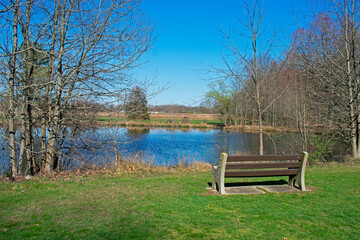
(189, 40)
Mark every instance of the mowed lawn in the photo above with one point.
(176, 205)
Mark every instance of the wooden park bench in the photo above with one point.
(260, 166)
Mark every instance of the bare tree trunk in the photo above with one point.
(54, 111)
(54, 132)
(44, 121)
(29, 140)
(12, 146)
(47, 147)
(257, 83)
(56, 119)
(353, 124)
(274, 116)
(22, 137)
(261, 141)
(259, 109)
(29, 59)
(353, 117)
(300, 114)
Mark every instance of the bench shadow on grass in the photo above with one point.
(248, 184)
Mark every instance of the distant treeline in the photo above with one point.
(93, 107)
(181, 109)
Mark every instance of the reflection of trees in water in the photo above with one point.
(90, 146)
(282, 143)
(94, 146)
(137, 131)
(176, 129)
(99, 146)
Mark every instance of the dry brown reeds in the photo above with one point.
(136, 163)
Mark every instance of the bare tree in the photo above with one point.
(251, 59)
(11, 88)
(329, 47)
(88, 48)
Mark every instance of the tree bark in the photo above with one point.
(12, 146)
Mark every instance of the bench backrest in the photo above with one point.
(261, 166)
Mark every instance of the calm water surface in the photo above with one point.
(168, 146)
(164, 146)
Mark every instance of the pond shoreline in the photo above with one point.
(232, 128)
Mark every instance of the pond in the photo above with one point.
(170, 146)
(167, 147)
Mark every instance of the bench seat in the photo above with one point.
(235, 166)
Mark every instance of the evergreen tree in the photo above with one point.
(136, 105)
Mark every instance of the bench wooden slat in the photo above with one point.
(249, 158)
(262, 173)
(292, 166)
(234, 165)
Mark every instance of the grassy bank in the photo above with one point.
(170, 123)
(190, 123)
(176, 205)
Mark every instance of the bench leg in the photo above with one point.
(221, 185)
(217, 180)
(301, 181)
(218, 174)
(222, 166)
(301, 177)
(214, 173)
(292, 180)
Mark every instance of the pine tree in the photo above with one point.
(136, 105)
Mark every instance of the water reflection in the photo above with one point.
(137, 131)
(169, 145)
(97, 145)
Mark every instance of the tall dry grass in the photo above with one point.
(143, 163)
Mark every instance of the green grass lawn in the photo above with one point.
(176, 205)
(108, 119)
